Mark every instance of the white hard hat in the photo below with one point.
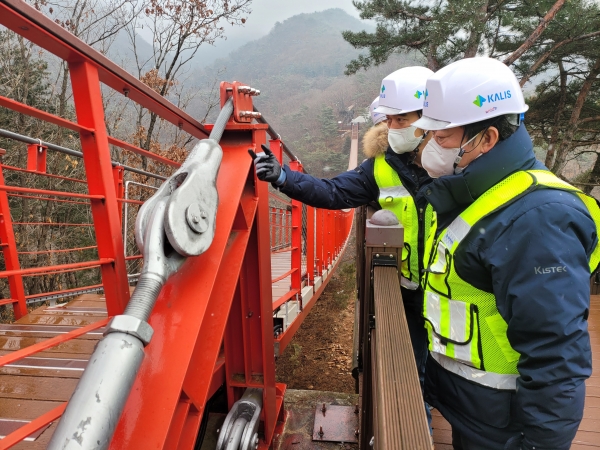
(375, 116)
(469, 91)
(403, 91)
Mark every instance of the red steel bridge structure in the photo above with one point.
(217, 325)
(214, 319)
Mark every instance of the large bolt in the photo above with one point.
(196, 218)
(248, 90)
(321, 434)
(252, 114)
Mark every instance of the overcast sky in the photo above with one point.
(266, 12)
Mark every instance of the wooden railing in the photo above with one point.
(392, 407)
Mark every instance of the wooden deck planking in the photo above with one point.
(281, 263)
(588, 436)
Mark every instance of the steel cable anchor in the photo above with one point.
(240, 429)
(168, 229)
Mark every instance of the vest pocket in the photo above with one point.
(452, 326)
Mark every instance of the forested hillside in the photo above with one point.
(299, 69)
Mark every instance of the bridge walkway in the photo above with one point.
(37, 384)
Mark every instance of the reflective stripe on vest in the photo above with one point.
(489, 379)
(463, 322)
(394, 197)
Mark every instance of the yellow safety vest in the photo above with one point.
(467, 334)
(394, 197)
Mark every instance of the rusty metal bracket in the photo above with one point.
(371, 321)
(335, 423)
(387, 259)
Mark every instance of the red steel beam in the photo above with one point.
(6, 188)
(207, 349)
(98, 167)
(272, 223)
(284, 298)
(59, 177)
(296, 235)
(42, 31)
(49, 199)
(55, 224)
(261, 300)
(118, 174)
(64, 250)
(319, 239)
(20, 434)
(57, 268)
(8, 301)
(64, 291)
(310, 244)
(49, 343)
(133, 202)
(132, 148)
(37, 113)
(285, 275)
(56, 120)
(11, 257)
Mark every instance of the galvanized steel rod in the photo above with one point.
(221, 122)
(275, 135)
(30, 140)
(57, 148)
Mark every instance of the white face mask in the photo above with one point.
(403, 140)
(439, 161)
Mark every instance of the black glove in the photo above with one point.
(266, 165)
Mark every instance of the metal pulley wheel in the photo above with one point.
(240, 429)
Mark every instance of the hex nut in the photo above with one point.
(132, 326)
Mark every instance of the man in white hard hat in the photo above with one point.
(507, 284)
(390, 178)
(376, 117)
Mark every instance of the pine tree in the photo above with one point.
(329, 125)
(554, 42)
(443, 32)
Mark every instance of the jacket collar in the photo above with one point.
(412, 176)
(454, 193)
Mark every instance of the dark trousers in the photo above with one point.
(459, 442)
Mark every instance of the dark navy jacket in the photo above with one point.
(357, 188)
(546, 312)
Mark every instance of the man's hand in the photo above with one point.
(266, 165)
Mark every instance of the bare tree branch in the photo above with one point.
(536, 33)
(573, 122)
(590, 119)
(559, 110)
(542, 59)
(403, 12)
